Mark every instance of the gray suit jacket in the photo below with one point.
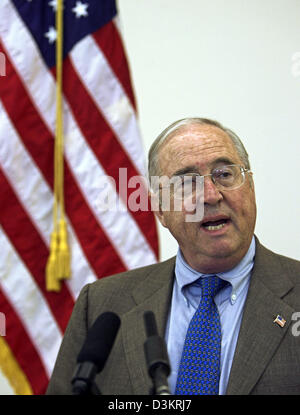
(267, 356)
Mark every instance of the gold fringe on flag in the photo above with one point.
(58, 265)
(12, 371)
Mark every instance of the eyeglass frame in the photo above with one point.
(243, 171)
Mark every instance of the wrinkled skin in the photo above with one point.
(200, 148)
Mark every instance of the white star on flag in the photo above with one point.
(51, 34)
(80, 9)
(53, 4)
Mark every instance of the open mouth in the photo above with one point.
(215, 225)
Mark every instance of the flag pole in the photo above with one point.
(58, 265)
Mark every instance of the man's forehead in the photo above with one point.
(196, 133)
(197, 139)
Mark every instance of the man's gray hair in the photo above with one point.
(153, 162)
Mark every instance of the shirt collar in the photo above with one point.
(237, 276)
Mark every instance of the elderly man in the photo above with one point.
(224, 304)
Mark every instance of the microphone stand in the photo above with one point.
(83, 380)
(160, 385)
(156, 357)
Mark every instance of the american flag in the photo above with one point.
(280, 321)
(101, 135)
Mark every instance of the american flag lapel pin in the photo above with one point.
(280, 321)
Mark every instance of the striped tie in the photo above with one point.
(199, 369)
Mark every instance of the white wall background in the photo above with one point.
(230, 60)
(234, 61)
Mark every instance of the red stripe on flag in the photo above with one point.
(35, 135)
(32, 249)
(110, 42)
(23, 349)
(105, 145)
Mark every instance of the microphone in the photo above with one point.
(94, 353)
(156, 356)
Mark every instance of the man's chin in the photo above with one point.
(223, 256)
(220, 247)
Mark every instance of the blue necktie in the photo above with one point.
(199, 369)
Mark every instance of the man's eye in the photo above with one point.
(223, 174)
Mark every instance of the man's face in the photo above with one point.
(199, 149)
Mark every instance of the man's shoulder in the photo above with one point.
(121, 292)
(132, 278)
(291, 265)
(282, 258)
(278, 261)
(142, 272)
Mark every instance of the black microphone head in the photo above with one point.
(99, 340)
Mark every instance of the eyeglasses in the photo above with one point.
(228, 177)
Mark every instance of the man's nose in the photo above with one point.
(212, 194)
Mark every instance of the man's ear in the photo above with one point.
(156, 207)
(250, 175)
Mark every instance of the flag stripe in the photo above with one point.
(25, 177)
(31, 248)
(109, 41)
(30, 305)
(25, 352)
(26, 57)
(24, 117)
(125, 251)
(108, 94)
(31, 188)
(103, 162)
(107, 152)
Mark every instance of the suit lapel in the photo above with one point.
(154, 294)
(259, 336)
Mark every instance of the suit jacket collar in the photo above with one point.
(259, 335)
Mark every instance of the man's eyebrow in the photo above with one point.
(195, 169)
(185, 170)
(224, 160)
